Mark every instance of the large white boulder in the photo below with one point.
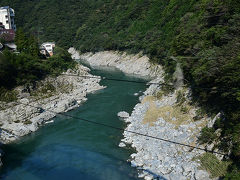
(123, 114)
(201, 175)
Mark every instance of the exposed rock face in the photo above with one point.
(160, 159)
(28, 113)
(211, 122)
(123, 114)
(202, 175)
(130, 64)
(157, 159)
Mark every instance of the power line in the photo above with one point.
(113, 79)
(139, 82)
(113, 127)
(121, 129)
(130, 81)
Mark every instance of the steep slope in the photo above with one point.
(202, 35)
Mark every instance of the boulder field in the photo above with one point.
(160, 115)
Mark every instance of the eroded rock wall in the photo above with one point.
(35, 108)
(131, 64)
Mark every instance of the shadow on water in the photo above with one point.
(70, 148)
(63, 172)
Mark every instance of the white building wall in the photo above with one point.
(49, 46)
(7, 17)
(4, 18)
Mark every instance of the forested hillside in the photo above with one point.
(28, 65)
(203, 35)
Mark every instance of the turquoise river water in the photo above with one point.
(75, 150)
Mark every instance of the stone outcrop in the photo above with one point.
(123, 115)
(160, 159)
(212, 122)
(130, 64)
(154, 158)
(38, 105)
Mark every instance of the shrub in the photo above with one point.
(207, 135)
(7, 95)
(210, 163)
(27, 122)
(180, 97)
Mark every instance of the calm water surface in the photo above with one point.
(73, 149)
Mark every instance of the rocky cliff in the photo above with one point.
(167, 115)
(162, 116)
(137, 64)
(38, 103)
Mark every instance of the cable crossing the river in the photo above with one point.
(121, 129)
(138, 82)
(113, 79)
(117, 128)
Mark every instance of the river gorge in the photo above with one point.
(70, 148)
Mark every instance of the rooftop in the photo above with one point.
(48, 43)
(5, 7)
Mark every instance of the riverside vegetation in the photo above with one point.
(28, 79)
(203, 36)
(29, 65)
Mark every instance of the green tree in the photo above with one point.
(26, 44)
(21, 40)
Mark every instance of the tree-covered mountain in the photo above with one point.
(204, 35)
(28, 65)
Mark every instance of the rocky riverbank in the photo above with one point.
(130, 64)
(165, 118)
(159, 114)
(38, 103)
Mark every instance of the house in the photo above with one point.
(11, 46)
(7, 15)
(2, 26)
(7, 28)
(44, 51)
(7, 24)
(7, 35)
(47, 48)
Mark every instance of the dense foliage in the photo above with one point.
(28, 65)
(203, 35)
